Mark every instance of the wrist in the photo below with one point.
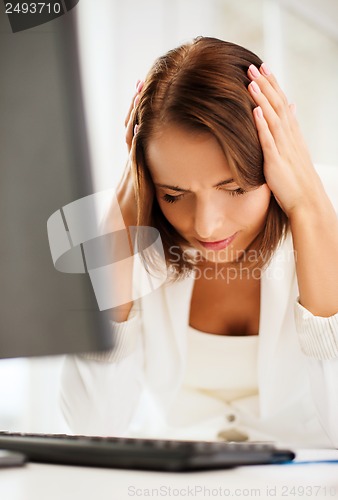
(319, 218)
(314, 208)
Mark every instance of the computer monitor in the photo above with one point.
(45, 167)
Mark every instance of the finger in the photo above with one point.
(294, 122)
(273, 93)
(266, 71)
(293, 109)
(131, 107)
(129, 129)
(266, 139)
(274, 122)
(139, 87)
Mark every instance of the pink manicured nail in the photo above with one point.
(254, 71)
(137, 84)
(259, 112)
(265, 69)
(140, 86)
(135, 129)
(136, 100)
(255, 87)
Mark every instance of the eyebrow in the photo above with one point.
(176, 188)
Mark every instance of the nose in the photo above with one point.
(208, 219)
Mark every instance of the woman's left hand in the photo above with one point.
(288, 168)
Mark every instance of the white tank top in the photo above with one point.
(222, 366)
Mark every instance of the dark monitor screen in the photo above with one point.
(44, 167)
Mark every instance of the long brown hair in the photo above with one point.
(202, 86)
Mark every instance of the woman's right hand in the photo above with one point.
(130, 115)
(125, 189)
(124, 203)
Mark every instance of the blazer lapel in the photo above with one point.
(277, 342)
(166, 316)
(178, 297)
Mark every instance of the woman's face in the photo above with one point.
(199, 198)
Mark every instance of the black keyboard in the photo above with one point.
(145, 454)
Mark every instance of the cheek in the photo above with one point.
(172, 213)
(258, 205)
(250, 211)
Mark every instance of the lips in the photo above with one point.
(218, 245)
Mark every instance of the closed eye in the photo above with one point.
(235, 192)
(169, 198)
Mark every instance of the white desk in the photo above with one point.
(49, 482)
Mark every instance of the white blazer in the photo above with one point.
(105, 394)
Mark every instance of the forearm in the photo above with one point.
(91, 393)
(122, 278)
(315, 237)
(93, 385)
(121, 248)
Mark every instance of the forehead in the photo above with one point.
(176, 155)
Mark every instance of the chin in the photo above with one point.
(219, 257)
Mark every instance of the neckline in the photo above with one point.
(207, 335)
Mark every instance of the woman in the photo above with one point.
(242, 341)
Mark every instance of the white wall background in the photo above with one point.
(119, 41)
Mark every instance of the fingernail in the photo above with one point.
(135, 129)
(140, 86)
(265, 69)
(136, 100)
(255, 87)
(254, 71)
(137, 84)
(259, 112)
